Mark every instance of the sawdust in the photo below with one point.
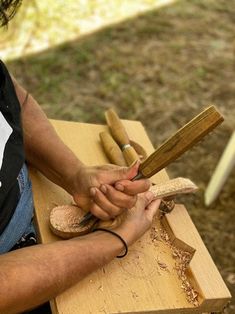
(182, 259)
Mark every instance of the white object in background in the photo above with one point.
(222, 171)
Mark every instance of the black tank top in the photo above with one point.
(11, 147)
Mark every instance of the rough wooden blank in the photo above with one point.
(65, 219)
(134, 284)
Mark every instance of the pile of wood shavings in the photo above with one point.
(182, 260)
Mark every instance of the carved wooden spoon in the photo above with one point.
(65, 219)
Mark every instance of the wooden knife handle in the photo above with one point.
(119, 134)
(130, 154)
(181, 141)
(112, 150)
(116, 128)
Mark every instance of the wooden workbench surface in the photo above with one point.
(135, 284)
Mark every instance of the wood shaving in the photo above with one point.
(154, 236)
(163, 266)
(101, 288)
(182, 260)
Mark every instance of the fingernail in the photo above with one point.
(149, 196)
(119, 187)
(103, 188)
(92, 191)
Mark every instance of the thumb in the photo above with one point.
(124, 173)
(152, 208)
(145, 199)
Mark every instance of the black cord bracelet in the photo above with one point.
(118, 236)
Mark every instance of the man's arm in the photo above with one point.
(46, 151)
(33, 275)
(43, 148)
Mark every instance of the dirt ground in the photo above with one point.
(160, 68)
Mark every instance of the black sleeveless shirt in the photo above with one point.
(11, 147)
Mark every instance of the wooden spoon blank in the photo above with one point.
(64, 220)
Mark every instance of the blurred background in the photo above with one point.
(157, 61)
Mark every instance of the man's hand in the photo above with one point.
(139, 218)
(107, 190)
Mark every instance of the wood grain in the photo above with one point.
(181, 141)
(119, 134)
(134, 284)
(65, 219)
(112, 150)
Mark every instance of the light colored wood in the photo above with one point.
(120, 135)
(185, 138)
(65, 220)
(173, 187)
(129, 154)
(202, 268)
(222, 171)
(134, 284)
(112, 150)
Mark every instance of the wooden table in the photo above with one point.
(134, 284)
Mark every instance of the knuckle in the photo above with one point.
(112, 194)
(98, 196)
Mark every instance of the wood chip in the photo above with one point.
(163, 266)
(182, 260)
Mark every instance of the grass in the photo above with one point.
(49, 23)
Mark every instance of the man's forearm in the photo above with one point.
(34, 275)
(44, 149)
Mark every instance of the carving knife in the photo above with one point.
(186, 137)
